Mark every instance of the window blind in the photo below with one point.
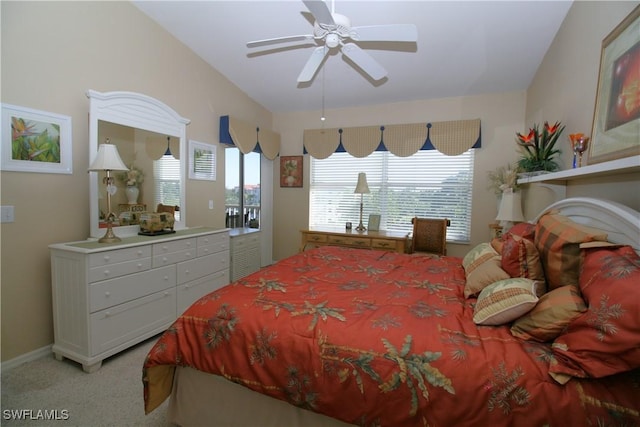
(426, 184)
(166, 174)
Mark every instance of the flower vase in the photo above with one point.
(132, 193)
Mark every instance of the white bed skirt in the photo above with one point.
(201, 399)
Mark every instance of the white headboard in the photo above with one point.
(621, 223)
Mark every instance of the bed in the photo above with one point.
(538, 327)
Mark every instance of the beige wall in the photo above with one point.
(564, 88)
(52, 53)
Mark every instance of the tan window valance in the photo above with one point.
(450, 138)
(246, 136)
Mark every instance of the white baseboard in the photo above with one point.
(28, 357)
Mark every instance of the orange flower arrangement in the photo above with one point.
(538, 148)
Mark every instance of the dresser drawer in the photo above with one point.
(211, 249)
(174, 246)
(126, 323)
(384, 244)
(110, 271)
(316, 238)
(202, 266)
(350, 241)
(118, 256)
(174, 257)
(116, 291)
(219, 240)
(192, 291)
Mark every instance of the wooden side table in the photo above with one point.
(377, 240)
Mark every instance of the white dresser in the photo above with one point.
(110, 296)
(245, 252)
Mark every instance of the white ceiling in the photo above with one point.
(464, 48)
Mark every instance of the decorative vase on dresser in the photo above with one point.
(108, 297)
(132, 193)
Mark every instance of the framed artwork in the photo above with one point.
(374, 222)
(202, 161)
(616, 120)
(291, 171)
(35, 141)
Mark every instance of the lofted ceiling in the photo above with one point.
(464, 48)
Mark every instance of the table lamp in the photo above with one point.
(361, 188)
(510, 210)
(108, 160)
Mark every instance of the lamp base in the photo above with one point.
(361, 228)
(109, 236)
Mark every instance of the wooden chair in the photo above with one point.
(430, 235)
(166, 208)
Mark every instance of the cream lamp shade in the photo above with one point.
(510, 210)
(108, 159)
(362, 187)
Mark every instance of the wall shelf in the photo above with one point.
(613, 167)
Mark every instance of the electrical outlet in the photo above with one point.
(7, 214)
(210, 204)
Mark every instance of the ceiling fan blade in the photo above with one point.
(363, 60)
(385, 33)
(313, 64)
(320, 11)
(258, 43)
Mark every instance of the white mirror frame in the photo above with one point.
(141, 112)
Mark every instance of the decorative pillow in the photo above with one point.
(504, 301)
(558, 239)
(482, 268)
(520, 258)
(605, 339)
(496, 244)
(550, 316)
(523, 229)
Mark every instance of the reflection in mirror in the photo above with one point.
(153, 177)
(140, 127)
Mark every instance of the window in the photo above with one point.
(242, 171)
(166, 174)
(426, 184)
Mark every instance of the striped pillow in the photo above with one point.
(552, 314)
(505, 301)
(482, 268)
(558, 239)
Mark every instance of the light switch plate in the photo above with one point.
(7, 214)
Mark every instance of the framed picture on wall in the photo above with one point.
(35, 141)
(202, 161)
(291, 171)
(616, 121)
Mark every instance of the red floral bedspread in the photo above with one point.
(378, 339)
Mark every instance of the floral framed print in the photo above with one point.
(35, 141)
(202, 161)
(616, 120)
(291, 171)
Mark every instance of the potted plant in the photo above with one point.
(538, 148)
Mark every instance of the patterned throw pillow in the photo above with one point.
(605, 339)
(552, 314)
(504, 301)
(558, 239)
(482, 268)
(523, 229)
(520, 258)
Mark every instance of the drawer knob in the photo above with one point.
(164, 259)
(188, 254)
(166, 294)
(107, 314)
(166, 278)
(106, 272)
(187, 272)
(107, 294)
(107, 257)
(139, 252)
(188, 243)
(139, 265)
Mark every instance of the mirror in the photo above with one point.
(142, 128)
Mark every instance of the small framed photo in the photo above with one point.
(202, 161)
(35, 141)
(374, 222)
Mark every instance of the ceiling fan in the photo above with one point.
(332, 30)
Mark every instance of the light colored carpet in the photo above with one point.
(111, 396)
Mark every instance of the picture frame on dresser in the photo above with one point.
(616, 119)
(35, 141)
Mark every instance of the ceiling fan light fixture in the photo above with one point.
(332, 40)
